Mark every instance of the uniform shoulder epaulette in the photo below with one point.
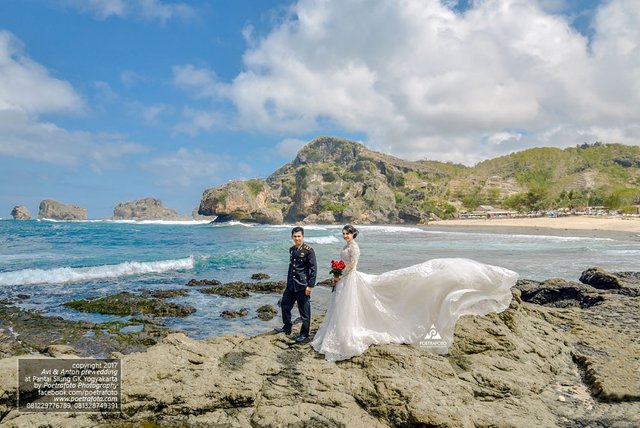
(306, 247)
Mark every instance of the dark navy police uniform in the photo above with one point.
(302, 274)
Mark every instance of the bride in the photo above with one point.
(416, 305)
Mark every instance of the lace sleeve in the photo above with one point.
(351, 263)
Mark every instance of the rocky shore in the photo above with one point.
(564, 354)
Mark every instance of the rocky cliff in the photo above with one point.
(55, 210)
(332, 180)
(335, 180)
(241, 200)
(145, 209)
(20, 212)
(564, 354)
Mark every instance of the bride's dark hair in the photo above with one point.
(351, 230)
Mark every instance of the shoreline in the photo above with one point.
(537, 351)
(596, 227)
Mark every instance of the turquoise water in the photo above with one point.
(55, 262)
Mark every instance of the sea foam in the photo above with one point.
(69, 274)
(165, 222)
(321, 239)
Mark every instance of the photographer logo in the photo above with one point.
(433, 339)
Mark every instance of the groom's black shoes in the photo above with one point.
(282, 330)
(302, 338)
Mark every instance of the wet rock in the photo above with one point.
(241, 289)
(629, 278)
(196, 282)
(25, 332)
(530, 365)
(325, 282)
(165, 294)
(630, 283)
(558, 293)
(506, 370)
(600, 278)
(234, 314)
(266, 312)
(126, 303)
(226, 291)
(260, 276)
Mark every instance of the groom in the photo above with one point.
(300, 280)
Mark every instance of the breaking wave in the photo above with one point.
(69, 274)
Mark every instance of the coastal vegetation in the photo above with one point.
(337, 180)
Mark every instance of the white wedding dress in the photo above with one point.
(416, 305)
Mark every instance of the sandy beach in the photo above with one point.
(584, 223)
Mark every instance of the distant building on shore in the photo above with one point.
(488, 212)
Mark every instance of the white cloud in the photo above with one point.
(27, 91)
(201, 81)
(27, 86)
(424, 81)
(197, 120)
(130, 77)
(105, 91)
(185, 165)
(151, 10)
(25, 137)
(289, 147)
(152, 113)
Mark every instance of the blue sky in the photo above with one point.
(103, 101)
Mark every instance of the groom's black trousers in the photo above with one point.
(289, 297)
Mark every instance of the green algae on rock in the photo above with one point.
(126, 303)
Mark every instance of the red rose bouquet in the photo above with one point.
(336, 270)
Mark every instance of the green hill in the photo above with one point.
(336, 180)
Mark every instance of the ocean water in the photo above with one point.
(55, 262)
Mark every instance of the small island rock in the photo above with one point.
(20, 212)
(145, 209)
(54, 210)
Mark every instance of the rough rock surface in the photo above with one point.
(559, 293)
(25, 332)
(55, 210)
(126, 303)
(266, 216)
(242, 289)
(196, 216)
(145, 209)
(266, 312)
(333, 180)
(20, 212)
(529, 366)
(195, 282)
(234, 314)
(599, 278)
(412, 215)
(240, 200)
